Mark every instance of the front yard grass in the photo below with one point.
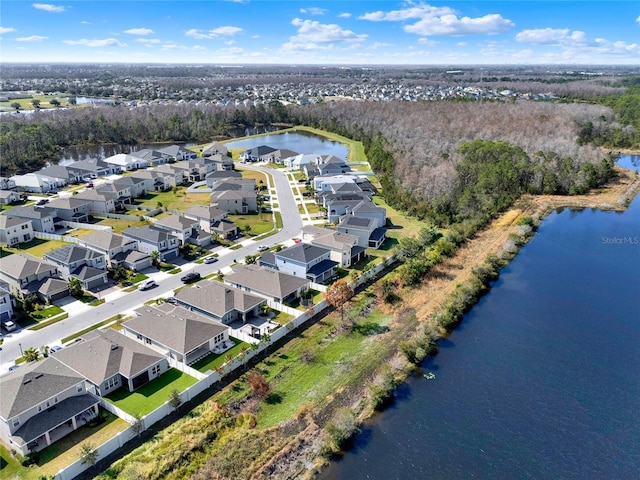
(259, 223)
(50, 311)
(150, 396)
(213, 361)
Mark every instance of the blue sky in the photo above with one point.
(322, 32)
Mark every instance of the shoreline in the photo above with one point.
(443, 280)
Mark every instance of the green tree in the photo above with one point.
(75, 287)
(55, 102)
(155, 258)
(72, 101)
(35, 102)
(31, 355)
(174, 399)
(88, 454)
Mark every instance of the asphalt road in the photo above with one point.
(17, 341)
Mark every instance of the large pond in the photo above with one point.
(300, 142)
(542, 378)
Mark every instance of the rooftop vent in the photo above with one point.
(28, 380)
(39, 375)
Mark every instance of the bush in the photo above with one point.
(340, 430)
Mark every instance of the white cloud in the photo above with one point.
(149, 40)
(139, 31)
(84, 22)
(4, 30)
(441, 21)
(313, 35)
(225, 31)
(314, 11)
(552, 36)
(255, 36)
(32, 38)
(105, 42)
(175, 46)
(344, 15)
(426, 41)
(47, 7)
(462, 44)
(638, 19)
(230, 51)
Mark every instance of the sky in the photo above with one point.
(347, 32)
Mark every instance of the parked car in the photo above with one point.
(210, 260)
(14, 367)
(263, 248)
(89, 185)
(9, 325)
(191, 277)
(55, 348)
(147, 284)
(172, 300)
(43, 201)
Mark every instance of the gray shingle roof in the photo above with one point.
(360, 223)
(176, 328)
(105, 240)
(302, 252)
(204, 212)
(33, 212)
(218, 299)
(85, 273)
(71, 254)
(102, 354)
(7, 221)
(21, 265)
(68, 203)
(265, 280)
(175, 222)
(33, 384)
(151, 234)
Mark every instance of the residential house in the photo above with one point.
(206, 216)
(7, 184)
(305, 261)
(278, 156)
(93, 168)
(152, 157)
(235, 201)
(7, 197)
(222, 175)
(117, 249)
(137, 186)
(214, 149)
(7, 302)
(176, 332)
(42, 402)
(75, 261)
(222, 184)
(256, 153)
(37, 183)
(51, 289)
(225, 228)
(297, 162)
(25, 273)
(42, 218)
(178, 152)
(72, 209)
(15, 230)
(343, 246)
(368, 209)
(266, 282)
(126, 162)
(121, 194)
(180, 227)
(178, 174)
(332, 165)
(366, 229)
(221, 302)
(62, 172)
(155, 180)
(103, 201)
(324, 183)
(192, 170)
(110, 360)
(153, 239)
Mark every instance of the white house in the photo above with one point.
(15, 230)
(126, 162)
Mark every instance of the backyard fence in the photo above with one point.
(53, 236)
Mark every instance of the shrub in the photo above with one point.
(340, 430)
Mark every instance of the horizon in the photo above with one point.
(322, 33)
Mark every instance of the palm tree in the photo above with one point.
(155, 258)
(31, 355)
(75, 287)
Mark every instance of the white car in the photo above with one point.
(9, 326)
(263, 248)
(147, 284)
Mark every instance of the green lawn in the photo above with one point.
(117, 224)
(47, 312)
(37, 247)
(180, 200)
(402, 225)
(213, 361)
(25, 103)
(259, 223)
(153, 394)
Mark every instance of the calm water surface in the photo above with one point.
(300, 142)
(542, 378)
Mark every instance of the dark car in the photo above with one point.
(191, 277)
(42, 202)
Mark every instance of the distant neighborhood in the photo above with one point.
(43, 401)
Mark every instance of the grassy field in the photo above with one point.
(150, 396)
(402, 226)
(118, 225)
(50, 311)
(25, 103)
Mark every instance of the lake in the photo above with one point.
(301, 142)
(540, 381)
